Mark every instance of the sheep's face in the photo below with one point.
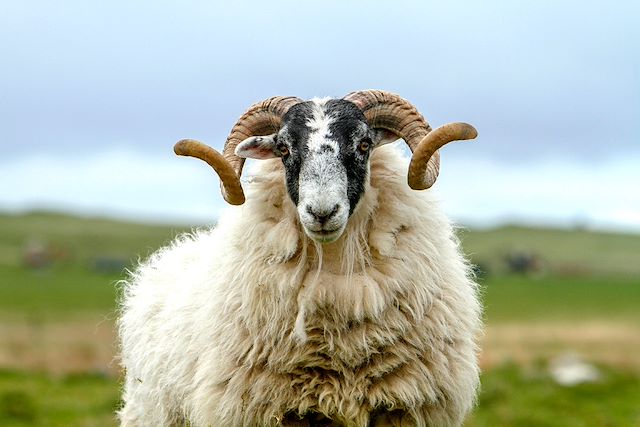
(325, 146)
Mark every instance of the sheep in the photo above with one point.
(336, 295)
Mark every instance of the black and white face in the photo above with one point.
(325, 146)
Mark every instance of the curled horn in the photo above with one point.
(390, 112)
(262, 118)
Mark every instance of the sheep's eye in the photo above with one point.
(364, 145)
(284, 151)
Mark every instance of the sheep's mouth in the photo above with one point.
(325, 236)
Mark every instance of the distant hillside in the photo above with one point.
(568, 252)
(81, 239)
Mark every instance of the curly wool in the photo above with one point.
(251, 324)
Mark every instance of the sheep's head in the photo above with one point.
(325, 147)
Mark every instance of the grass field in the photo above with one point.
(57, 344)
(564, 252)
(511, 396)
(28, 399)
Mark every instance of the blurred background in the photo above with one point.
(94, 95)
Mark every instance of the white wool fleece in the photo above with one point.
(252, 324)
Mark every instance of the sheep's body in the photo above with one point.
(238, 326)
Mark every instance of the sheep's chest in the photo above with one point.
(364, 356)
(352, 377)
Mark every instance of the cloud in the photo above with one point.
(81, 76)
(93, 93)
(554, 191)
(120, 183)
(474, 190)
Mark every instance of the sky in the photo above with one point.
(93, 97)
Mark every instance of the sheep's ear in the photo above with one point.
(257, 147)
(383, 136)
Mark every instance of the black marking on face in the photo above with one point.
(326, 148)
(294, 135)
(347, 128)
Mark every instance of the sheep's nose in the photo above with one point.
(322, 214)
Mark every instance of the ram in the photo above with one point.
(336, 295)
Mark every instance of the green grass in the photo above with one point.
(586, 277)
(29, 399)
(55, 292)
(524, 299)
(72, 284)
(74, 290)
(511, 396)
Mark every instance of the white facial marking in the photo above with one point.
(319, 125)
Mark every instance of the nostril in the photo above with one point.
(310, 211)
(322, 215)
